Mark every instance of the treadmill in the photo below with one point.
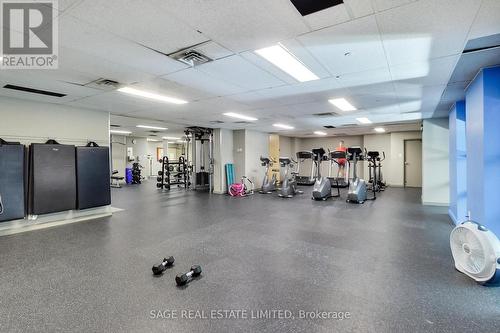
(340, 182)
(302, 156)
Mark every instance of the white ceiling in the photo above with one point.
(392, 59)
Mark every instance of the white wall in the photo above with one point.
(118, 154)
(239, 154)
(27, 122)
(396, 161)
(435, 163)
(380, 143)
(223, 154)
(256, 145)
(287, 146)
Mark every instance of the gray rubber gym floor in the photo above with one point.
(386, 262)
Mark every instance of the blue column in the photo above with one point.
(483, 148)
(458, 164)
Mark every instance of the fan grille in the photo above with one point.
(468, 250)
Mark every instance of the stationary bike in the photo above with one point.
(268, 186)
(322, 189)
(357, 187)
(289, 184)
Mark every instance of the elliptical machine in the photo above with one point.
(357, 188)
(289, 184)
(322, 189)
(268, 186)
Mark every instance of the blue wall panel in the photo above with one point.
(483, 148)
(458, 163)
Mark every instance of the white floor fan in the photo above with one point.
(476, 251)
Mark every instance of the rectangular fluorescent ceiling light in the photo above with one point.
(280, 57)
(149, 95)
(240, 116)
(152, 140)
(119, 132)
(320, 133)
(170, 138)
(379, 129)
(342, 104)
(153, 127)
(283, 126)
(364, 120)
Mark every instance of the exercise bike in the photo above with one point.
(241, 189)
(357, 187)
(268, 186)
(289, 184)
(322, 189)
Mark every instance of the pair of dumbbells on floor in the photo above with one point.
(180, 279)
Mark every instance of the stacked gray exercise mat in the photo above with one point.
(92, 175)
(52, 178)
(12, 168)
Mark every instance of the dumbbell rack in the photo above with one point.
(169, 176)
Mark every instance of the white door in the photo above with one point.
(413, 163)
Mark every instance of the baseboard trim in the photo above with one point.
(53, 220)
(452, 217)
(439, 204)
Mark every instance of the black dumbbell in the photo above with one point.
(159, 185)
(160, 173)
(167, 262)
(182, 279)
(159, 179)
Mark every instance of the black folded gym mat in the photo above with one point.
(52, 176)
(93, 177)
(12, 189)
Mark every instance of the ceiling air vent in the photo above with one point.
(190, 57)
(329, 126)
(115, 125)
(33, 91)
(242, 122)
(103, 84)
(216, 122)
(326, 114)
(348, 125)
(154, 132)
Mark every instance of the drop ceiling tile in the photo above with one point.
(487, 21)
(147, 23)
(359, 8)
(172, 88)
(426, 29)
(78, 35)
(381, 5)
(238, 71)
(242, 25)
(350, 47)
(328, 17)
(431, 72)
(37, 80)
(96, 67)
(200, 80)
(369, 81)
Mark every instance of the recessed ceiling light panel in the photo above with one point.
(120, 132)
(364, 120)
(239, 116)
(342, 104)
(150, 95)
(379, 129)
(280, 57)
(283, 126)
(320, 133)
(152, 127)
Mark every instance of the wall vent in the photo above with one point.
(33, 91)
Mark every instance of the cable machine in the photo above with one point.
(200, 159)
